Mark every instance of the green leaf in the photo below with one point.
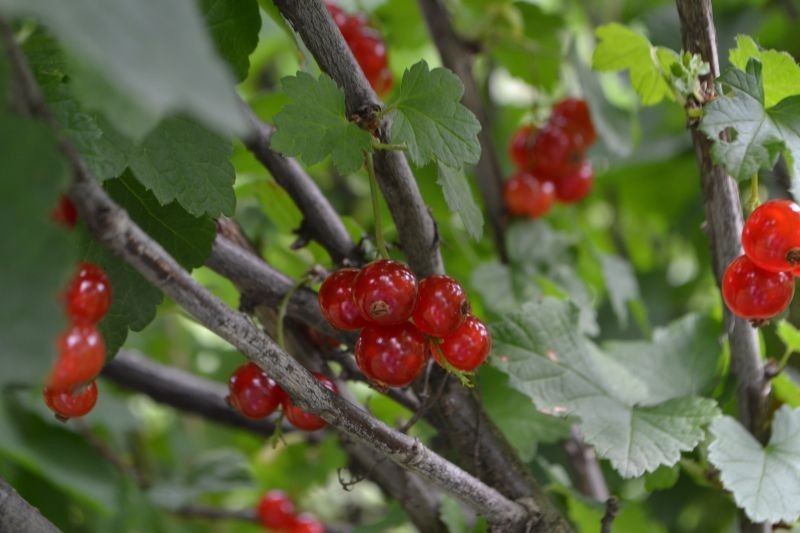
(663, 478)
(620, 48)
(621, 285)
(503, 289)
(789, 335)
(39, 254)
(187, 238)
(458, 195)
(765, 481)
(517, 416)
(55, 453)
(786, 390)
(629, 419)
(234, 27)
(181, 160)
(428, 117)
(452, 515)
(314, 125)
(781, 74)
(756, 136)
(154, 53)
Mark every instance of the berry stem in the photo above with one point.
(376, 211)
(754, 199)
(389, 146)
(284, 305)
(464, 377)
(785, 359)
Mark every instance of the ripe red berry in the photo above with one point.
(88, 295)
(81, 354)
(467, 347)
(754, 293)
(521, 148)
(305, 523)
(299, 418)
(391, 355)
(385, 292)
(276, 511)
(71, 403)
(253, 393)
(572, 115)
(336, 300)
(771, 236)
(573, 187)
(441, 306)
(65, 212)
(553, 154)
(526, 196)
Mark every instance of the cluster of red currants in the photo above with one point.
(551, 161)
(367, 46)
(276, 512)
(71, 391)
(401, 321)
(759, 285)
(256, 395)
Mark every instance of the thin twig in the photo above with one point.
(612, 509)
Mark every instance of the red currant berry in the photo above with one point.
(305, 523)
(253, 393)
(353, 27)
(65, 212)
(81, 354)
(441, 306)
(88, 295)
(391, 355)
(467, 347)
(385, 292)
(71, 403)
(306, 421)
(276, 510)
(526, 196)
(336, 300)
(553, 154)
(572, 115)
(771, 236)
(573, 187)
(754, 293)
(521, 147)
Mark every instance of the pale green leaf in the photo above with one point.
(621, 284)
(622, 411)
(765, 481)
(620, 48)
(781, 73)
(315, 126)
(458, 195)
(428, 117)
(789, 335)
(154, 53)
(452, 515)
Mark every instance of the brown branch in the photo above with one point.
(321, 222)
(415, 226)
(586, 467)
(611, 511)
(724, 222)
(16, 514)
(456, 55)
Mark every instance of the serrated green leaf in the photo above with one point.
(314, 125)
(623, 415)
(458, 195)
(517, 416)
(183, 161)
(503, 289)
(234, 27)
(781, 74)
(765, 481)
(154, 53)
(621, 285)
(756, 136)
(428, 117)
(39, 254)
(620, 48)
